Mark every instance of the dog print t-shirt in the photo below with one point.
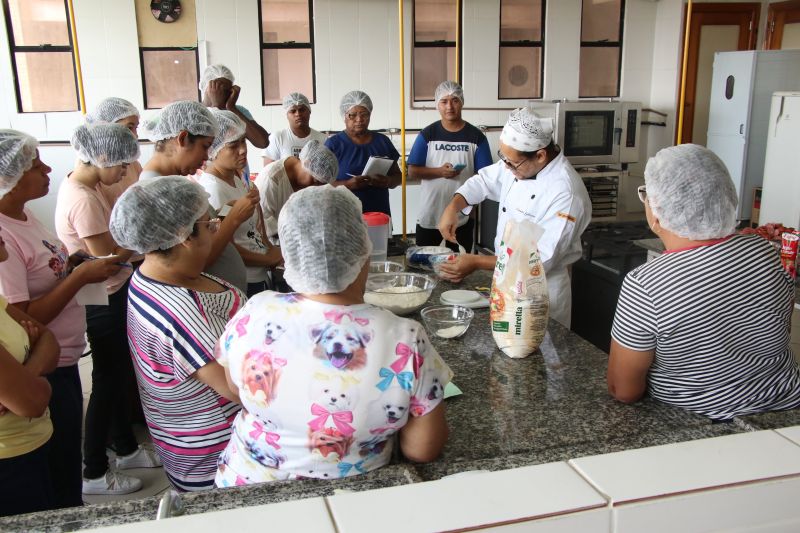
(324, 388)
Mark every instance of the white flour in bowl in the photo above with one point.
(398, 300)
(451, 332)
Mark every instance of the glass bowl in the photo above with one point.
(447, 321)
(376, 267)
(437, 260)
(420, 256)
(399, 292)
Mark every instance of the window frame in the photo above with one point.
(522, 44)
(289, 45)
(14, 49)
(143, 49)
(605, 44)
(457, 45)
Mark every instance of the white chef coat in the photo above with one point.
(556, 200)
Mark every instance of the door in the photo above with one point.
(714, 27)
(781, 187)
(783, 26)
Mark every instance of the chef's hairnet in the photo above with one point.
(186, 115)
(17, 152)
(691, 193)
(526, 131)
(111, 110)
(323, 239)
(319, 161)
(354, 98)
(105, 145)
(157, 214)
(449, 88)
(231, 128)
(214, 72)
(293, 99)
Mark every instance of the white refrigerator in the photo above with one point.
(742, 85)
(780, 197)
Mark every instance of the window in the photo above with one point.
(601, 48)
(521, 49)
(168, 56)
(41, 55)
(436, 25)
(287, 49)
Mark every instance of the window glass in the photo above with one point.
(435, 20)
(520, 20)
(599, 71)
(39, 22)
(600, 20)
(39, 73)
(169, 75)
(520, 69)
(287, 70)
(432, 66)
(284, 21)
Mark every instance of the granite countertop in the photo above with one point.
(550, 406)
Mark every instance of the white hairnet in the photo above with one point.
(690, 191)
(111, 110)
(17, 152)
(231, 128)
(105, 145)
(185, 115)
(293, 99)
(323, 239)
(448, 88)
(354, 98)
(157, 214)
(319, 161)
(214, 72)
(526, 131)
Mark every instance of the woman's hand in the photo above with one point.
(243, 208)
(31, 329)
(357, 182)
(230, 103)
(380, 180)
(97, 270)
(461, 267)
(216, 95)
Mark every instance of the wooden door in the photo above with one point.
(783, 20)
(743, 19)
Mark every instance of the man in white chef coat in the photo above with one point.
(532, 180)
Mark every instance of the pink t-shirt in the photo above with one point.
(37, 262)
(83, 212)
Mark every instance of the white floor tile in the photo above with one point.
(471, 500)
(298, 515)
(791, 433)
(689, 466)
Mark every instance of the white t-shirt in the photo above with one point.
(248, 235)
(275, 189)
(284, 143)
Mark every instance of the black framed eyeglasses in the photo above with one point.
(508, 163)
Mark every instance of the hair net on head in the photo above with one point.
(526, 131)
(448, 88)
(111, 110)
(17, 152)
(231, 128)
(157, 214)
(319, 161)
(354, 98)
(690, 191)
(105, 145)
(323, 239)
(214, 72)
(186, 115)
(293, 99)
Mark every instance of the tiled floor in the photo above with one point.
(153, 479)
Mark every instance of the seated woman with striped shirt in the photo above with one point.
(175, 316)
(705, 326)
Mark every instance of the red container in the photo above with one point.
(789, 242)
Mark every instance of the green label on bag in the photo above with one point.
(502, 327)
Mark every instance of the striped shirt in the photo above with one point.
(718, 318)
(172, 332)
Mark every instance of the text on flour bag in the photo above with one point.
(519, 302)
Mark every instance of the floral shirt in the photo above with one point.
(324, 388)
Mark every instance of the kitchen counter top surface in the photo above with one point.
(550, 406)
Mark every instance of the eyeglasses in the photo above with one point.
(641, 190)
(213, 224)
(353, 116)
(508, 163)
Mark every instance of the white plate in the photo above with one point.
(471, 299)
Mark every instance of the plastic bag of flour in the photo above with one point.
(519, 302)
